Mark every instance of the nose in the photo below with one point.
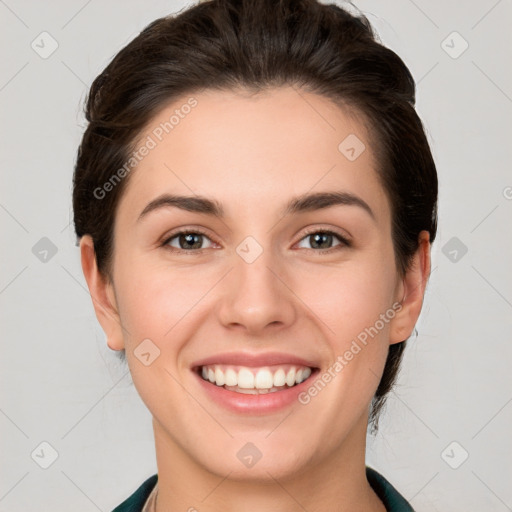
(256, 296)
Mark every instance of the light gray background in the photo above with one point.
(61, 384)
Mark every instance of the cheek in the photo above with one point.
(154, 297)
(354, 305)
(350, 298)
(159, 304)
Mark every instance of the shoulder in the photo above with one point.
(136, 501)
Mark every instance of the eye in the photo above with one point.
(191, 240)
(320, 239)
(186, 240)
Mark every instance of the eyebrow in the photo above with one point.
(300, 204)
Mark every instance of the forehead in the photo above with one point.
(253, 150)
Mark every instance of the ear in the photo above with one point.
(102, 294)
(412, 289)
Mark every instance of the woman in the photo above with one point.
(255, 200)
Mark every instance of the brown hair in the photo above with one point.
(260, 44)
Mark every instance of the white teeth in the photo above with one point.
(245, 379)
(219, 377)
(264, 379)
(290, 377)
(255, 381)
(247, 391)
(231, 377)
(279, 378)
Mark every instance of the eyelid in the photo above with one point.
(181, 231)
(341, 234)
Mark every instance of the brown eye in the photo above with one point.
(323, 240)
(190, 241)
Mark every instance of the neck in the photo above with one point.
(336, 482)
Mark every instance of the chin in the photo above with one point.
(256, 461)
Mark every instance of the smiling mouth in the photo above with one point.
(255, 381)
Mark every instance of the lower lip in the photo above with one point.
(265, 403)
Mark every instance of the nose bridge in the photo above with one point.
(256, 296)
(257, 267)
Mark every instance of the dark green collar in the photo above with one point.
(392, 499)
(135, 502)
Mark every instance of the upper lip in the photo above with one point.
(254, 360)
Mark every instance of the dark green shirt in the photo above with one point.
(392, 499)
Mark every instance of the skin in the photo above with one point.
(252, 154)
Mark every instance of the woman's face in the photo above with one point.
(260, 290)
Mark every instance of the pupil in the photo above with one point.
(189, 239)
(318, 237)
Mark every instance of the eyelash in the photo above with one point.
(341, 238)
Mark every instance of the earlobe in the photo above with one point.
(413, 286)
(102, 295)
